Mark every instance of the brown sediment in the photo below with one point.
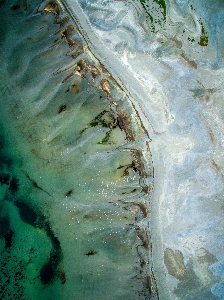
(66, 70)
(154, 288)
(105, 86)
(192, 64)
(207, 93)
(84, 65)
(139, 163)
(104, 70)
(79, 51)
(67, 34)
(204, 98)
(53, 7)
(79, 73)
(124, 123)
(217, 168)
(174, 261)
(69, 76)
(146, 189)
(143, 27)
(143, 207)
(147, 283)
(62, 22)
(209, 130)
(145, 241)
(143, 261)
(141, 123)
(177, 43)
(151, 168)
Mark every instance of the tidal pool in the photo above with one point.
(111, 150)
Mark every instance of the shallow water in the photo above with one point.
(76, 176)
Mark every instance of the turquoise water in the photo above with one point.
(75, 177)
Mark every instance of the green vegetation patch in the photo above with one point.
(107, 139)
(204, 36)
(156, 11)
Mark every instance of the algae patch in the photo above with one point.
(156, 11)
(204, 36)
